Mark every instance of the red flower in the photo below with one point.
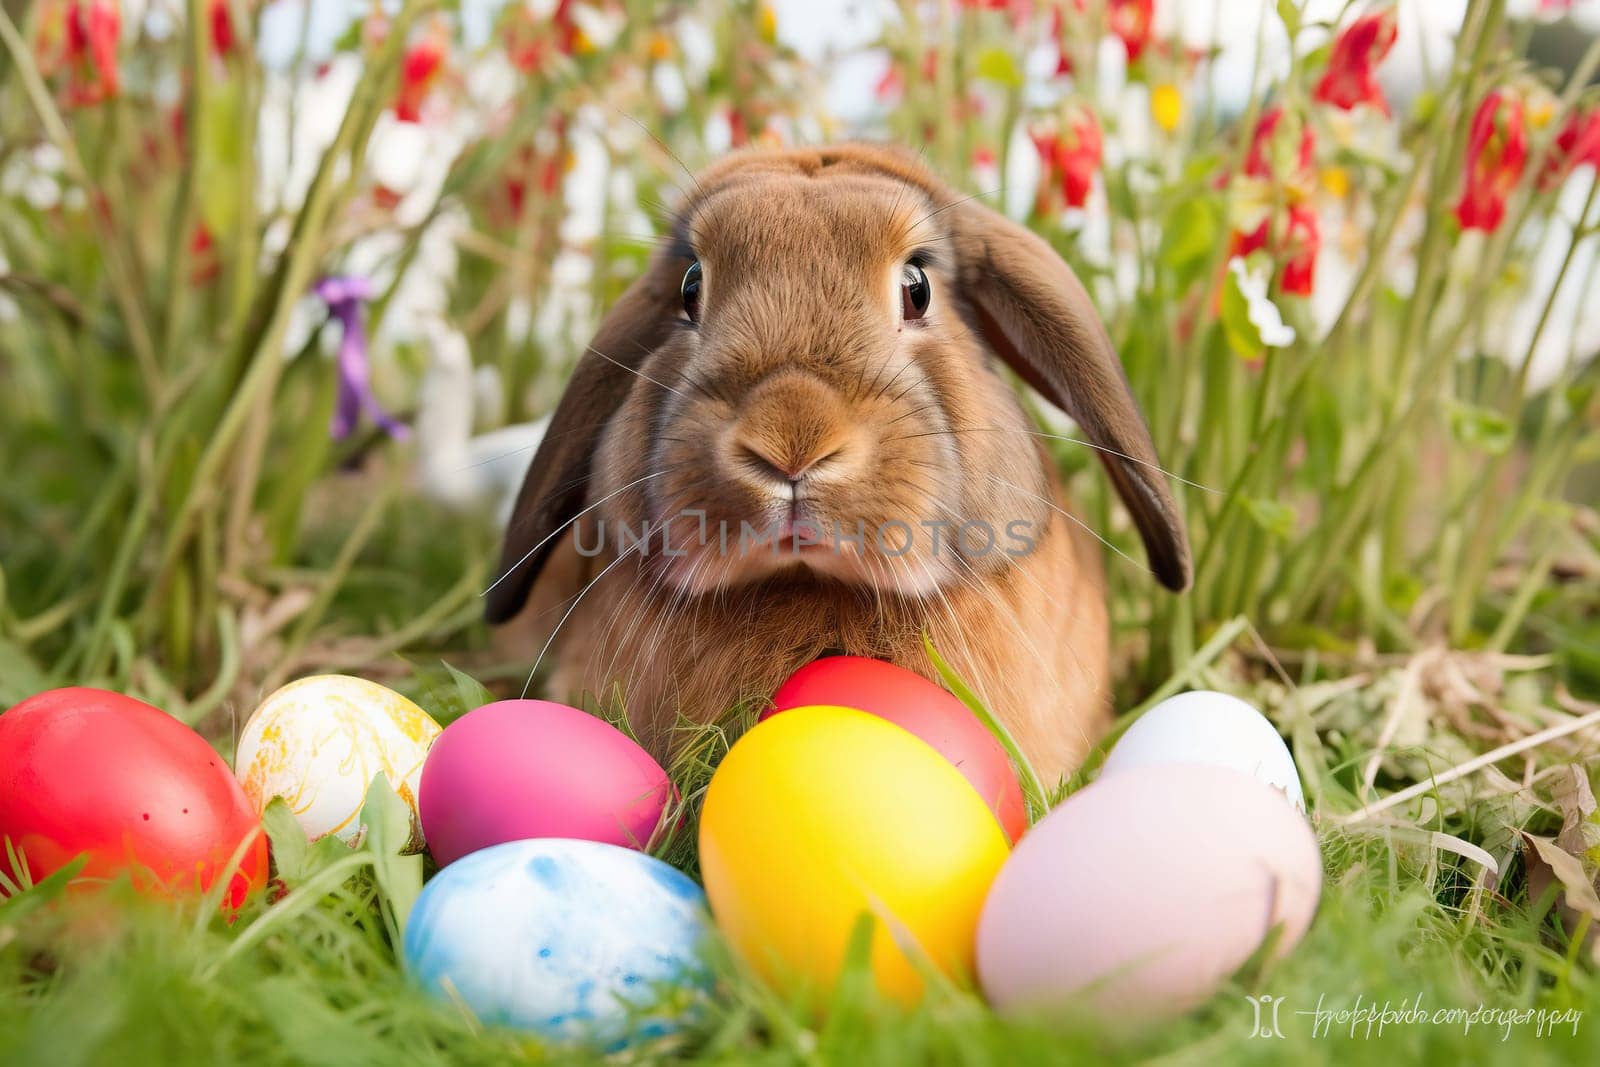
(892, 86)
(206, 264)
(1063, 57)
(1293, 233)
(1131, 21)
(49, 35)
(528, 41)
(82, 36)
(1020, 10)
(1268, 155)
(1577, 143)
(221, 28)
(1351, 77)
(1497, 152)
(1071, 159)
(419, 69)
(1301, 244)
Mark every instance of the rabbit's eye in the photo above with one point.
(915, 292)
(690, 289)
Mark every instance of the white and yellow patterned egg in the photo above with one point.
(319, 742)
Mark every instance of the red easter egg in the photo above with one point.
(89, 771)
(913, 703)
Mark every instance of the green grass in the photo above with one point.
(144, 984)
(317, 982)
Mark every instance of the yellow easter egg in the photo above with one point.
(822, 814)
(319, 742)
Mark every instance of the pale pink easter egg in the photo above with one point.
(1141, 894)
(519, 769)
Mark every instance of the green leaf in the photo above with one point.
(1289, 15)
(20, 676)
(287, 839)
(19, 900)
(1481, 428)
(854, 988)
(1241, 333)
(1032, 788)
(999, 66)
(222, 153)
(302, 457)
(1190, 238)
(1272, 516)
(1323, 429)
(470, 691)
(295, 858)
(390, 836)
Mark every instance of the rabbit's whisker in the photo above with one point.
(879, 394)
(568, 614)
(582, 478)
(650, 598)
(493, 459)
(981, 194)
(615, 616)
(634, 371)
(553, 533)
(979, 586)
(659, 240)
(1091, 531)
(698, 188)
(1063, 437)
(919, 409)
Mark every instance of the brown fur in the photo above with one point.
(800, 364)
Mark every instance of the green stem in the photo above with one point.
(1495, 523)
(186, 204)
(118, 274)
(293, 276)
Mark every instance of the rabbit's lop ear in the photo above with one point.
(1037, 317)
(557, 482)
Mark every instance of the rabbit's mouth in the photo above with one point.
(804, 544)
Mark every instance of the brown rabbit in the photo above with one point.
(793, 403)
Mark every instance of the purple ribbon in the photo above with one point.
(346, 297)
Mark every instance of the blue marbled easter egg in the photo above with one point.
(574, 940)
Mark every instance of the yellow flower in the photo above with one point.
(768, 23)
(1336, 180)
(1166, 106)
(660, 46)
(582, 45)
(1541, 108)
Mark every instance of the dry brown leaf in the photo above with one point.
(1575, 800)
(1550, 865)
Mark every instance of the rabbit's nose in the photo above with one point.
(792, 426)
(781, 464)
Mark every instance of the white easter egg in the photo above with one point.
(319, 742)
(1210, 728)
(574, 940)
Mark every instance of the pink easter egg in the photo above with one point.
(518, 769)
(1141, 894)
